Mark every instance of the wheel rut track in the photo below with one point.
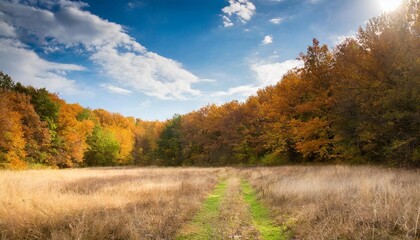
(232, 211)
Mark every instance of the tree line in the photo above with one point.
(357, 103)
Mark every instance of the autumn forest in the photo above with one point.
(356, 103)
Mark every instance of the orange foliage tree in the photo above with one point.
(12, 142)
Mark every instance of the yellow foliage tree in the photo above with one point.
(72, 133)
(123, 129)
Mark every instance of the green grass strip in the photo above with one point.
(261, 216)
(201, 227)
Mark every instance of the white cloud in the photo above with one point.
(276, 20)
(150, 73)
(244, 91)
(115, 89)
(145, 104)
(207, 80)
(70, 26)
(338, 39)
(227, 22)
(25, 66)
(270, 73)
(243, 10)
(265, 74)
(134, 4)
(123, 59)
(6, 30)
(267, 40)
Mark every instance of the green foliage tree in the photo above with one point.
(102, 149)
(145, 146)
(6, 82)
(169, 143)
(377, 90)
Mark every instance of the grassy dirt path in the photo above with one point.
(232, 211)
(261, 216)
(202, 226)
(235, 219)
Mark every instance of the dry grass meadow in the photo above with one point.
(342, 202)
(148, 203)
(313, 202)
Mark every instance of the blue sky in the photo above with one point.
(154, 58)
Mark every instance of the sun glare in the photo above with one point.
(389, 5)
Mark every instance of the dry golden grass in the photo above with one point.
(342, 202)
(317, 202)
(101, 203)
